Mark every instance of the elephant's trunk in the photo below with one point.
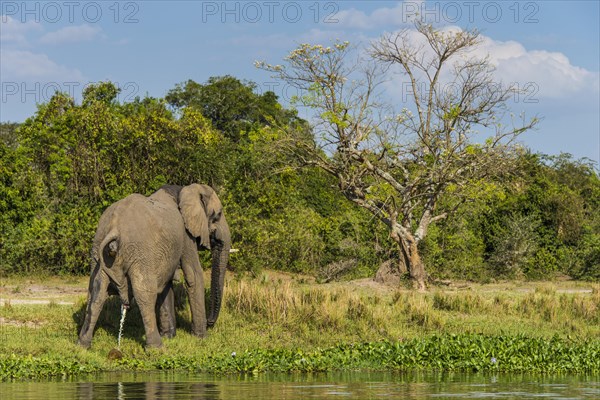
(220, 257)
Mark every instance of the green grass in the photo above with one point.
(279, 324)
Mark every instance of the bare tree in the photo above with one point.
(398, 165)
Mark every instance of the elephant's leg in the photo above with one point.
(194, 281)
(166, 311)
(97, 295)
(146, 299)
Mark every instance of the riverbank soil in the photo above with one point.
(69, 290)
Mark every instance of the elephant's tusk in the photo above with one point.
(234, 250)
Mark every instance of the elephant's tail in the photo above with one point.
(109, 247)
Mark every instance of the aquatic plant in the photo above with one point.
(468, 352)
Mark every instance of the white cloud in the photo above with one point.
(71, 34)
(21, 65)
(550, 74)
(15, 32)
(402, 14)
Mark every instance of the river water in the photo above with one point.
(310, 386)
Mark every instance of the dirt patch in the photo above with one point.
(372, 285)
(21, 324)
(9, 302)
(41, 290)
(49, 291)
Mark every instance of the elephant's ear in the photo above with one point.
(194, 215)
(214, 208)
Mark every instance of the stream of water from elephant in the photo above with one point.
(121, 325)
(307, 386)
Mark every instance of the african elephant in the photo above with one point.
(139, 244)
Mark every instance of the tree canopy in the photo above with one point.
(232, 105)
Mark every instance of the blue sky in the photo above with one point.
(146, 47)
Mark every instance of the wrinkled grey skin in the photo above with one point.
(139, 244)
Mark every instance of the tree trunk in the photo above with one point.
(410, 258)
(416, 268)
(402, 262)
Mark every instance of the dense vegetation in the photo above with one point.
(64, 165)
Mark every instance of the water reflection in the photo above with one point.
(310, 386)
(147, 390)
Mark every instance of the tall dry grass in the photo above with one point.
(339, 310)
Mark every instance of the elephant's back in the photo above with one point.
(144, 214)
(139, 218)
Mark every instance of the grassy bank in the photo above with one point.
(280, 323)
